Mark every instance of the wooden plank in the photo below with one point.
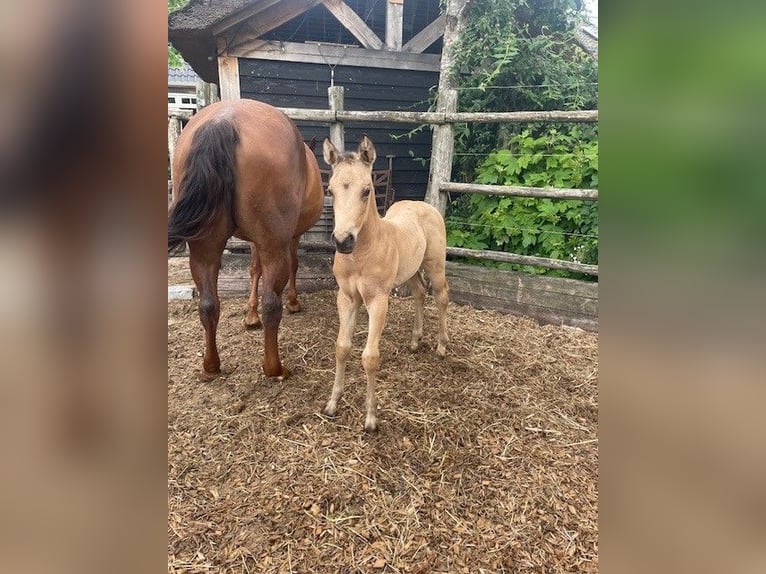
(548, 299)
(568, 295)
(328, 55)
(344, 74)
(228, 76)
(353, 23)
(521, 117)
(394, 23)
(427, 36)
(503, 257)
(521, 191)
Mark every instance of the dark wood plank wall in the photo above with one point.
(304, 85)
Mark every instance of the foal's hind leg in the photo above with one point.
(252, 320)
(205, 263)
(436, 273)
(292, 305)
(419, 293)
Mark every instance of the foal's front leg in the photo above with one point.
(377, 309)
(347, 311)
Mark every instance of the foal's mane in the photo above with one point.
(349, 157)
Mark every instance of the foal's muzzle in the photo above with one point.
(345, 246)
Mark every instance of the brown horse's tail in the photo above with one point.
(206, 189)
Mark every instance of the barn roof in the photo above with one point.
(190, 30)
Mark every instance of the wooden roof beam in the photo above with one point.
(268, 19)
(427, 36)
(242, 15)
(353, 23)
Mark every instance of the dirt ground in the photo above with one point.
(486, 461)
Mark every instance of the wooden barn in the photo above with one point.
(385, 54)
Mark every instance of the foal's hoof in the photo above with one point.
(293, 307)
(441, 351)
(327, 413)
(252, 324)
(371, 427)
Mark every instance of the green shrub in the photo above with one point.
(554, 228)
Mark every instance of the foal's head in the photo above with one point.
(351, 188)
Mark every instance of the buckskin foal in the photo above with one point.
(373, 255)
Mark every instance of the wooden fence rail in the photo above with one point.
(521, 191)
(332, 116)
(504, 257)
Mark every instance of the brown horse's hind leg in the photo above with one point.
(275, 274)
(205, 262)
(252, 320)
(293, 306)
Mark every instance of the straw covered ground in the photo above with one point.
(486, 461)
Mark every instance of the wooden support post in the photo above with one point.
(174, 130)
(228, 77)
(335, 97)
(206, 94)
(394, 12)
(443, 138)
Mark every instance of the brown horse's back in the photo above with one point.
(269, 183)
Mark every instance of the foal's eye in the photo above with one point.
(366, 192)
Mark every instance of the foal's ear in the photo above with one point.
(331, 154)
(366, 151)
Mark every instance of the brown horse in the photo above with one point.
(373, 256)
(242, 169)
(313, 202)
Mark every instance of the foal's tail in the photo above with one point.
(206, 189)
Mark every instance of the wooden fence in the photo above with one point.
(549, 299)
(337, 116)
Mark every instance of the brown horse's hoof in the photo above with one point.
(207, 376)
(293, 307)
(282, 373)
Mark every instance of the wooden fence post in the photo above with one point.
(443, 138)
(206, 94)
(174, 130)
(335, 97)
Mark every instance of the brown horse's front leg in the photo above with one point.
(252, 320)
(275, 273)
(293, 306)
